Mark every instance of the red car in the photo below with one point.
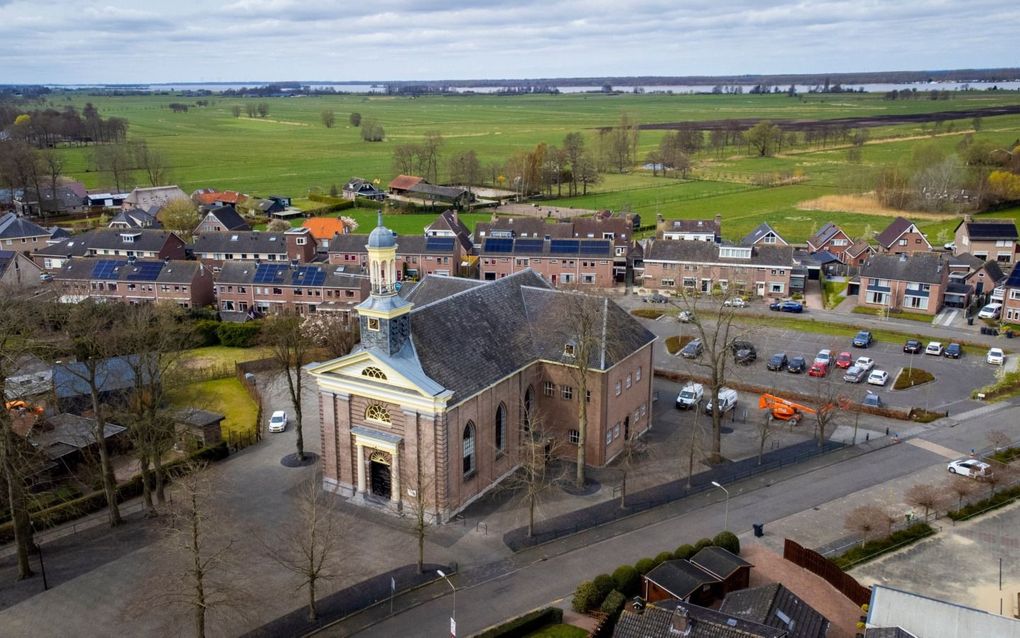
(818, 369)
(844, 360)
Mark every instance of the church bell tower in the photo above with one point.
(384, 317)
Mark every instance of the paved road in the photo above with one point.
(542, 575)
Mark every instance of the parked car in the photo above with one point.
(692, 350)
(991, 311)
(949, 245)
(727, 398)
(45, 276)
(953, 351)
(878, 377)
(685, 316)
(855, 374)
(777, 362)
(996, 357)
(735, 302)
(970, 467)
(862, 339)
(818, 369)
(934, 348)
(844, 360)
(865, 363)
(796, 365)
(690, 396)
(786, 306)
(657, 298)
(744, 352)
(278, 421)
(871, 399)
(825, 356)
(912, 346)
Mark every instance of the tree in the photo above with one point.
(252, 109)
(372, 131)
(926, 495)
(290, 348)
(331, 332)
(871, 522)
(465, 169)
(961, 488)
(431, 146)
(180, 216)
(53, 164)
(355, 119)
(328, 118)
(405, 159)
(309, 545)
(278, 226)
(573, 147)
(116, 160)
(263, 109)
(533, 454)
(827, 401)
(151, 162)
(235, 110)
(623, 141)
(762, 137)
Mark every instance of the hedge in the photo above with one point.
(613, 603)
(995, 501)
(875, 548)
(644, 565)
(238, 335)
(1006, 455)
(728, 541)
(684, 552)
(205, 332)
(702, 544)
(647, 313)
(523, 625)
(627, 579)
(586, 597)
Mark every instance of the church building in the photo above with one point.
(432, 406)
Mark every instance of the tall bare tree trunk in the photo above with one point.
(106, 467)
(159, 479)
(143, 463)
(582, 424)
(198, 569)
(22, 525)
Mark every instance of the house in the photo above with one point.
(905, 282)
(1011, 296)
(104, 199)
(134, 218)
(407, 410)
(69, 196)
(269, 207)
(29, 380)
(215, 248)
(690, 229)
(246, 289)
(927, 617)
(778, 607)
(17, 271)
(732, 570)
(323, 229)
(702, 267)
(282, 200)
(210, 197)
(679, 619)
(68, 439)
(449, 224)
(763, 234)
(902, 236)
(831, 238)
(402, 184)
(358, 187)
(199, 428)
(985, 239)
(438, 252)
(858, 253)
(432, 194)
(585, 262)
(189, 284)
(21, 235)
(153, 197)
(522, 227)
(221, 219)
(681, 580)
(141, 243)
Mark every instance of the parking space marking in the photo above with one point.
(935, 448)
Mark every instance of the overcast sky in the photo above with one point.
(134, 41)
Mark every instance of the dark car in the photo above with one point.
(692, 350)
(872, 399)
(863, 339)
(953, 351)
(786, 306)
(657, 298)
(913, 346)
(796, 365)
(777, 362)
(744, 352)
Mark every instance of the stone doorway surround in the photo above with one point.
(369, 442)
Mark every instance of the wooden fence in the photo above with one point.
(815, 562)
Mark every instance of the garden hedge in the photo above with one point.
(995, 501)
(238, 335)
(683, 552)
(627, 579)
(526, 624)
(875, 548)
(728, 541)
(586, 597)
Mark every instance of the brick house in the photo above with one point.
(585, 262)
(902, 236)
(323, 229)
(213, 249)
(830, 238)
(221, 219)
(417, 257)
(245, 289)
(993, 239)
(17, 271)
(690, 229)
(1011, 297)
(765, 235)
(140, 243)
(188, 284)
(20, 235)
(154, 197)
(858, 253)
(700, 266)
(906, 282)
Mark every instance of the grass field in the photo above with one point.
(225, 396)
(291, 152)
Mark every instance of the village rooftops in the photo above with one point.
(130, 270)
(681, 578)
(240, 242)
(919, 267)
(990, 229)
(136, 239)
(567, 248)
(406, 245)
(14, 227)
(703, 252)
(524, 227)
(776, 606)
(678, 619)
(404, 182)
(286, 275)
(761, 232)
(887, 238)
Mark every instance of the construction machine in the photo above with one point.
(784, 409)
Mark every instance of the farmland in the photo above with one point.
(290, 151)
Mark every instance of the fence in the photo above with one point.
(815, 562)
(245, 372)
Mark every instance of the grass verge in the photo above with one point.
(225, 396)
(873, 549)
(1006, 387)
(1001, 498)
(877, 312)
(559, 631)
(910, 377)
(832, 293)
(676, 343)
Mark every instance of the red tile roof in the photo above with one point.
(404, 182)
(324, 227)
(227, 197)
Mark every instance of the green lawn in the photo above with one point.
(218, 356)
(225, 396)
(559, 631)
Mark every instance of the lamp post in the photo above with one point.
(453, 618)
(726, 510)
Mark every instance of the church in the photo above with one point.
(432, 406)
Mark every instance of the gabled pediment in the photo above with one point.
(371, 374)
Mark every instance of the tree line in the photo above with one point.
(48, 127)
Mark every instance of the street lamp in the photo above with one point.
(726, 510)
(453, 618)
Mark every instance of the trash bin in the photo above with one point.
(759, 529)
(1009, 334)
(970, 321)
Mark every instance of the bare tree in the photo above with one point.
(423, 505)
(263, 109)
(926, 495)
(328, 117)
(151, 162)
(309, 547)
(827, 399)
(53, 163)
(290, 349)
(405, 158)
(961, 487)
(278, 226)
(235, 110)
(869, 521)
(573, 147)
(533, 455)
(431, 146)
(116, 160)
(331, 332)
(763, 429)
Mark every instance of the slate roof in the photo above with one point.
(14, 227)
(229, 217)
(406, 245)
(760, 231)
(966, 260)
(241, 241)
(990, 229)
(893, 231)
(681, 577)
(824, 234)
(719, 561)
(776, 606)
(593, 248)
(435, 287)
(532, 227)
(139, 271)
(588, 227)
(991, 269)
(856, 249)
(135, 218)
(445, 192)
(112, 374)
(694, 226)
(708, 252)
(919, 267)
(145, 239)
(450, 221)
(243, 272)
(508, 324)
(198, 418)
(62, 434)
(404, 182)
(659, 620)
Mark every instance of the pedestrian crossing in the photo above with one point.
(946, 317)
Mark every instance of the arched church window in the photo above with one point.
(501, 429)
(469, 448)
(377, 413)
(373, 373)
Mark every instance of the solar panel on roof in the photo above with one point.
(439, 243)
(529, 245)
(595, 247)
(499, 245)
(269, 274)
(564, 246)
(147, 271)
(106, 268)
(309, 276)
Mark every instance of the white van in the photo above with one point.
(727, 401)
(690, 396)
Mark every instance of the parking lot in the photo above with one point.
(954, 378)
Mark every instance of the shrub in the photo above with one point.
(874, 548)
(613, 603)
(238, 335)
(604, 584)
(627, 579)
(524, 625)
(684, 552)
(728, 541)
(205, 332)
(702, 544)
(675, 344)
(585, 597)
(1006, 455)
(910, 377)
(644, 566)
(647, 313)
(995, 501)
(662, 557)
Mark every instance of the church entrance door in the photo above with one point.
(379, 471)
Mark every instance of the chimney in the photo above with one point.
(718, 220)
(682, 623)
